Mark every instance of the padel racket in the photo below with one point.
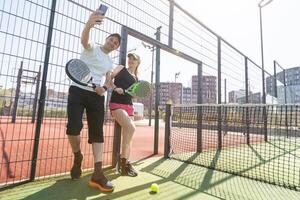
(79, 72)
(140, 89)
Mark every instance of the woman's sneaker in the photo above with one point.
(130, 170)
(124, 168)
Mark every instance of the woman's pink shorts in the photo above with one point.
(128, 108)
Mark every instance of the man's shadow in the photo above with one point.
(69, 189)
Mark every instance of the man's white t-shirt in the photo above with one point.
(99, 64)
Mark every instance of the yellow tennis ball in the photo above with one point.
(154, 187)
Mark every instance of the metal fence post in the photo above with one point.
(117, 127)
(219, 96)
(199, 109)
(41, 106)
(17, 94)
(167, 130)
(247, 101)
(265, 114)
(275, 80)
(35, 101)
(157, 92)
(171, 22)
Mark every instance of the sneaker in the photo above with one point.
(102, 184)
(130, 170)
(125, 168)
(76, 170)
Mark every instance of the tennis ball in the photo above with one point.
(154, 187)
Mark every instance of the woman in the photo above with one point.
(122, 110)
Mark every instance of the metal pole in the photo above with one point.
(171, 21)
(285, 86)
(262, 58)
(225, 91)
(167, 130)
(42, 94)
(219, 96)
(285, 102)
(247, 101)
(157, 92)
(35, 101)
(199, 109)
(263, 77)
(150, 105)
(17, 94)
(275, 80)
(176, 75)
(117, 127)
(246, 81)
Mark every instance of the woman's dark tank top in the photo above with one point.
(123, 80)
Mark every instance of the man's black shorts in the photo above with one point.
(78, 100)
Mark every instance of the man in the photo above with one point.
(81, 97)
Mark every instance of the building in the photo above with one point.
(239, 96)
(292, 88)
(236, 94)
(292, 94)
(209, 89)
(186, 95)
(252, 98)
(168, 91)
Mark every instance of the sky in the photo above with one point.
(237, 21)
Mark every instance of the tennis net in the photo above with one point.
(257, 141)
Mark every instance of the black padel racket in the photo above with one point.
(79, 72)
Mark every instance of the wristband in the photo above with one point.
(104, 87)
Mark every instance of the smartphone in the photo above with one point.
(102, 9)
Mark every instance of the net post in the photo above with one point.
(167, 128)
(265, 119)
(199, 109)
(199, 129)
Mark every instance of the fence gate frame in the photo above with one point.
(125, 32)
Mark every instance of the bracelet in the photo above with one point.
(104, 87)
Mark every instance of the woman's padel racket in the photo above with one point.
(79, 72)
(140, 89)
